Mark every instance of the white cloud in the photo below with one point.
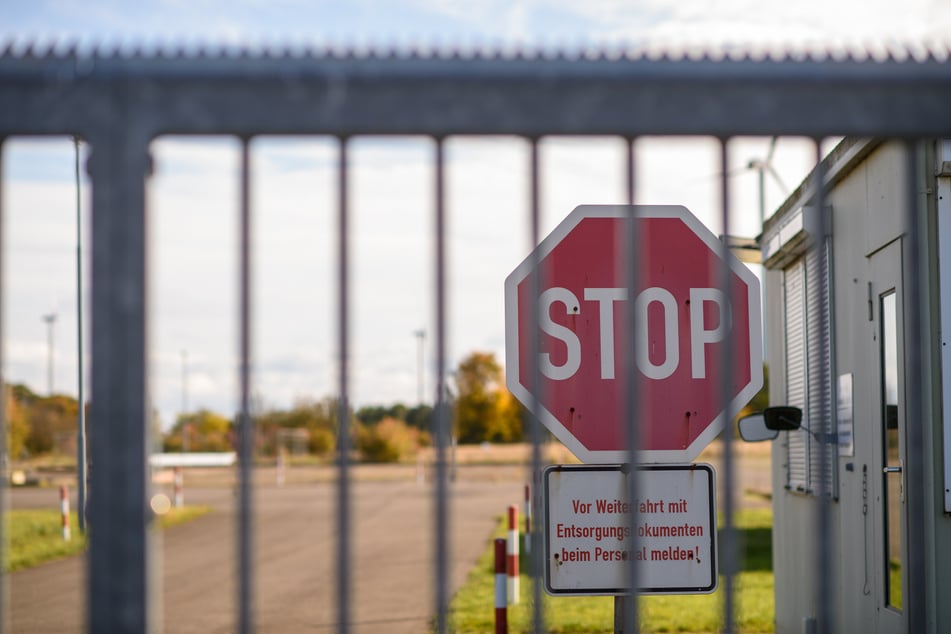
(760, 21)
(194, 197)
(492, 23)
(39, 209)
(193, 205)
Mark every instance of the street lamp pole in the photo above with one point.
(50, 319)
(81, 423)
(184, 401)
(420, 337)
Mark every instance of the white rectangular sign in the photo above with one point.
(589, 540)
(844, 414)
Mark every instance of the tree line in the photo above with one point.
(481, 408)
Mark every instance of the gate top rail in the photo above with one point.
(899, 91)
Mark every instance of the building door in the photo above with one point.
(888, 461)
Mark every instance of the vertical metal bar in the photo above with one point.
(245, 516)
(824, 494)
(729, 548)
(538, 539)
(119, 587)
(4, 458)
(916, 311)
(625, 607)
(80, 366)
(442, 420)
(343, 407)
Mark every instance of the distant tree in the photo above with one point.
(317, 418)
(419, 416)
(371, 414)
(18, 428)
(760, 401)
(476, 378)
(390, 440)
(321, 441)
(23, 394)
(508, 419)
(205, 431)
(49, 418)
(212, 430)
(38, 425)
(485, 411)
(397, 411)
(315, 425)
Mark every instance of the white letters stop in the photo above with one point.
(604, 298)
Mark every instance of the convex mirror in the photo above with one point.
(783, 418)
(753, 428)
(767, 424)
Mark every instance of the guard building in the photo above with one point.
(858, 322)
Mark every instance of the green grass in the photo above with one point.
(472, 608)
(174, 517)
(36, 536)
(894, 583)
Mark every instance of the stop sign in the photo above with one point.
(684, 322)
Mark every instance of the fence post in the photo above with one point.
(501, 609)
(512, 564)
(179, 487)
(64, 511)
(281, 466)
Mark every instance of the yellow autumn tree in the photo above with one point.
(205, 431)
(18, 428)
(485, 411)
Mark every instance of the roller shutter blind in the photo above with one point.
(818, 371)
(808, 371)
(794, 283)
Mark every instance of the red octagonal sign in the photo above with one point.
(683, 323)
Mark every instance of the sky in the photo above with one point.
(192, 197)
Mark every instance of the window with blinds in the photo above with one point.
(809, 373)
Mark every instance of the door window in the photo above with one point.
(892, 489)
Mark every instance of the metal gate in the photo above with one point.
(119, 103)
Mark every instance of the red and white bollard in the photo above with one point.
(512, 559)
(501, 606)
(528, 519)
(179, 487)
(64, 511)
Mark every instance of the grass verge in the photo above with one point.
(36, 535)
(472, 607)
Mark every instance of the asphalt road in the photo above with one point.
(295, 540)
(295, 564)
